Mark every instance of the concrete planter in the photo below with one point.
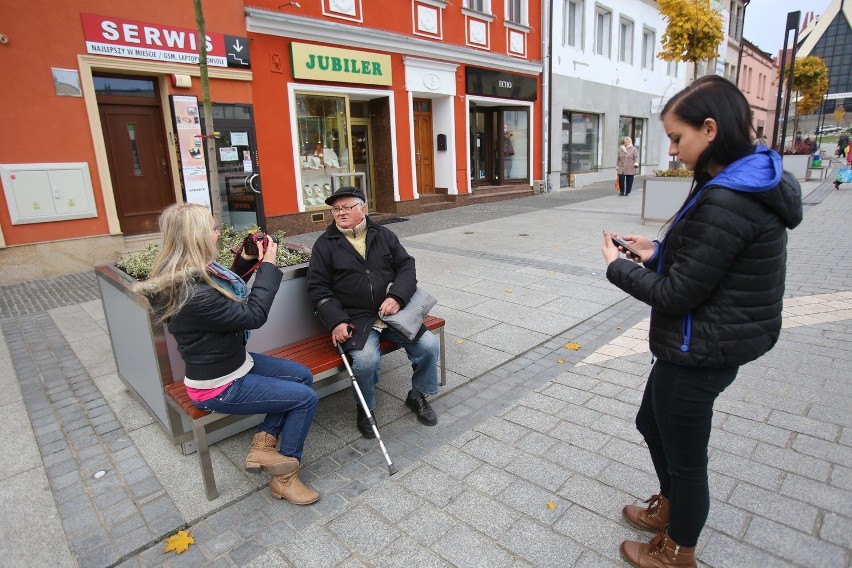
(146, 354)
(663, 196)
(797, 164)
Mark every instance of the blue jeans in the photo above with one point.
(675, 419)
(279, 388)
(422, 352)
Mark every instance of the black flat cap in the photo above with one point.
(346, 191)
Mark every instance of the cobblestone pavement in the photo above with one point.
(535, 452)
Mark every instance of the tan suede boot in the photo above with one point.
(654, 517)
(661, 552)
(290, 487)
(263, 454)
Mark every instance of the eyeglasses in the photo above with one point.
(340, 208)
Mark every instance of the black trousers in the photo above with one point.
(625, 182)
(675, 419)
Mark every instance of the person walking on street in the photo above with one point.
(843, 174)
(358, 272)
(627, 165)
(842, 144)
(714, 307)
(207, 307)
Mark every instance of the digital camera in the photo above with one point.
(250, 242)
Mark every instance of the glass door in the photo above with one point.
(236, 157)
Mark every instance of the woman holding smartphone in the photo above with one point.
(715, 283)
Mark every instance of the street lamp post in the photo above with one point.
(792, 24)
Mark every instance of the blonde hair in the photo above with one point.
(626, 140)
(185, 253)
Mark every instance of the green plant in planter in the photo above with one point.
(674, 173)
(139, 264)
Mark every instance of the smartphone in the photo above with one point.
(623, 244)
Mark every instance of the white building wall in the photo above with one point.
(584, 81)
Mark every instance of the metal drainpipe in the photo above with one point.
(546, 10)
(742, 40)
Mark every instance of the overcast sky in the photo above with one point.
(765, 20)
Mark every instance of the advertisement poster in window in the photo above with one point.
(190, 141)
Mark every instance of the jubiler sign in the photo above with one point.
(320, 63)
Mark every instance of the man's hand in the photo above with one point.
(389, 307)
(341, 333)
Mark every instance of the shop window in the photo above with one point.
(580, 141)
(516, 132)
(633, 127)
(324, 147)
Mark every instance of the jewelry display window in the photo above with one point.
(324, 145)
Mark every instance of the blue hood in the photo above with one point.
(755, 173)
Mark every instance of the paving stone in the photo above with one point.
(773, 506)
(533, 501)
(427, 524)
(819, 494)
(837, 529)
(724, 551)
(482, 512)
(540, 546)
(794, 545)
(463, 546)
(363, 530)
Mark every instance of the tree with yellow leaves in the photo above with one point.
(693, 30)
(810, 79)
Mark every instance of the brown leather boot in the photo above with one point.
(290, 487)
(661, 552)
(264, 455)
(654, 517)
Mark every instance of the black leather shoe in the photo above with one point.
(417, 403)
(364, 424)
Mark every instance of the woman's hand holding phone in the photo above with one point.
(635, 247)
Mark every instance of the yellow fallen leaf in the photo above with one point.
(551, 505)
(178, 542)
(509, 291)
(459, 341)
(560, 361)
(551, 272)
(556, 245)
(572, 346)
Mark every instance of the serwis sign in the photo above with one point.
(321, 63)
(118, 37)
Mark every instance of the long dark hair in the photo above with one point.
(714, 97)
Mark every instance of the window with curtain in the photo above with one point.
(649, 39)
(603, 25)
(572, 30)
(625, 41)
(516, 11)
(478, 5)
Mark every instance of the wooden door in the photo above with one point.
(138, 164)
(423, 148)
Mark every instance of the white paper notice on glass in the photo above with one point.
(228, 154)
(247, 167)
(239, 138)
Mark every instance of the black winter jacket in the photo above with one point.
(344, 287)
(725, 264)
(209, 328)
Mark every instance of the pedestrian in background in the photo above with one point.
(207, 307)
(713, 306)
(627, 165)
(842, 144)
